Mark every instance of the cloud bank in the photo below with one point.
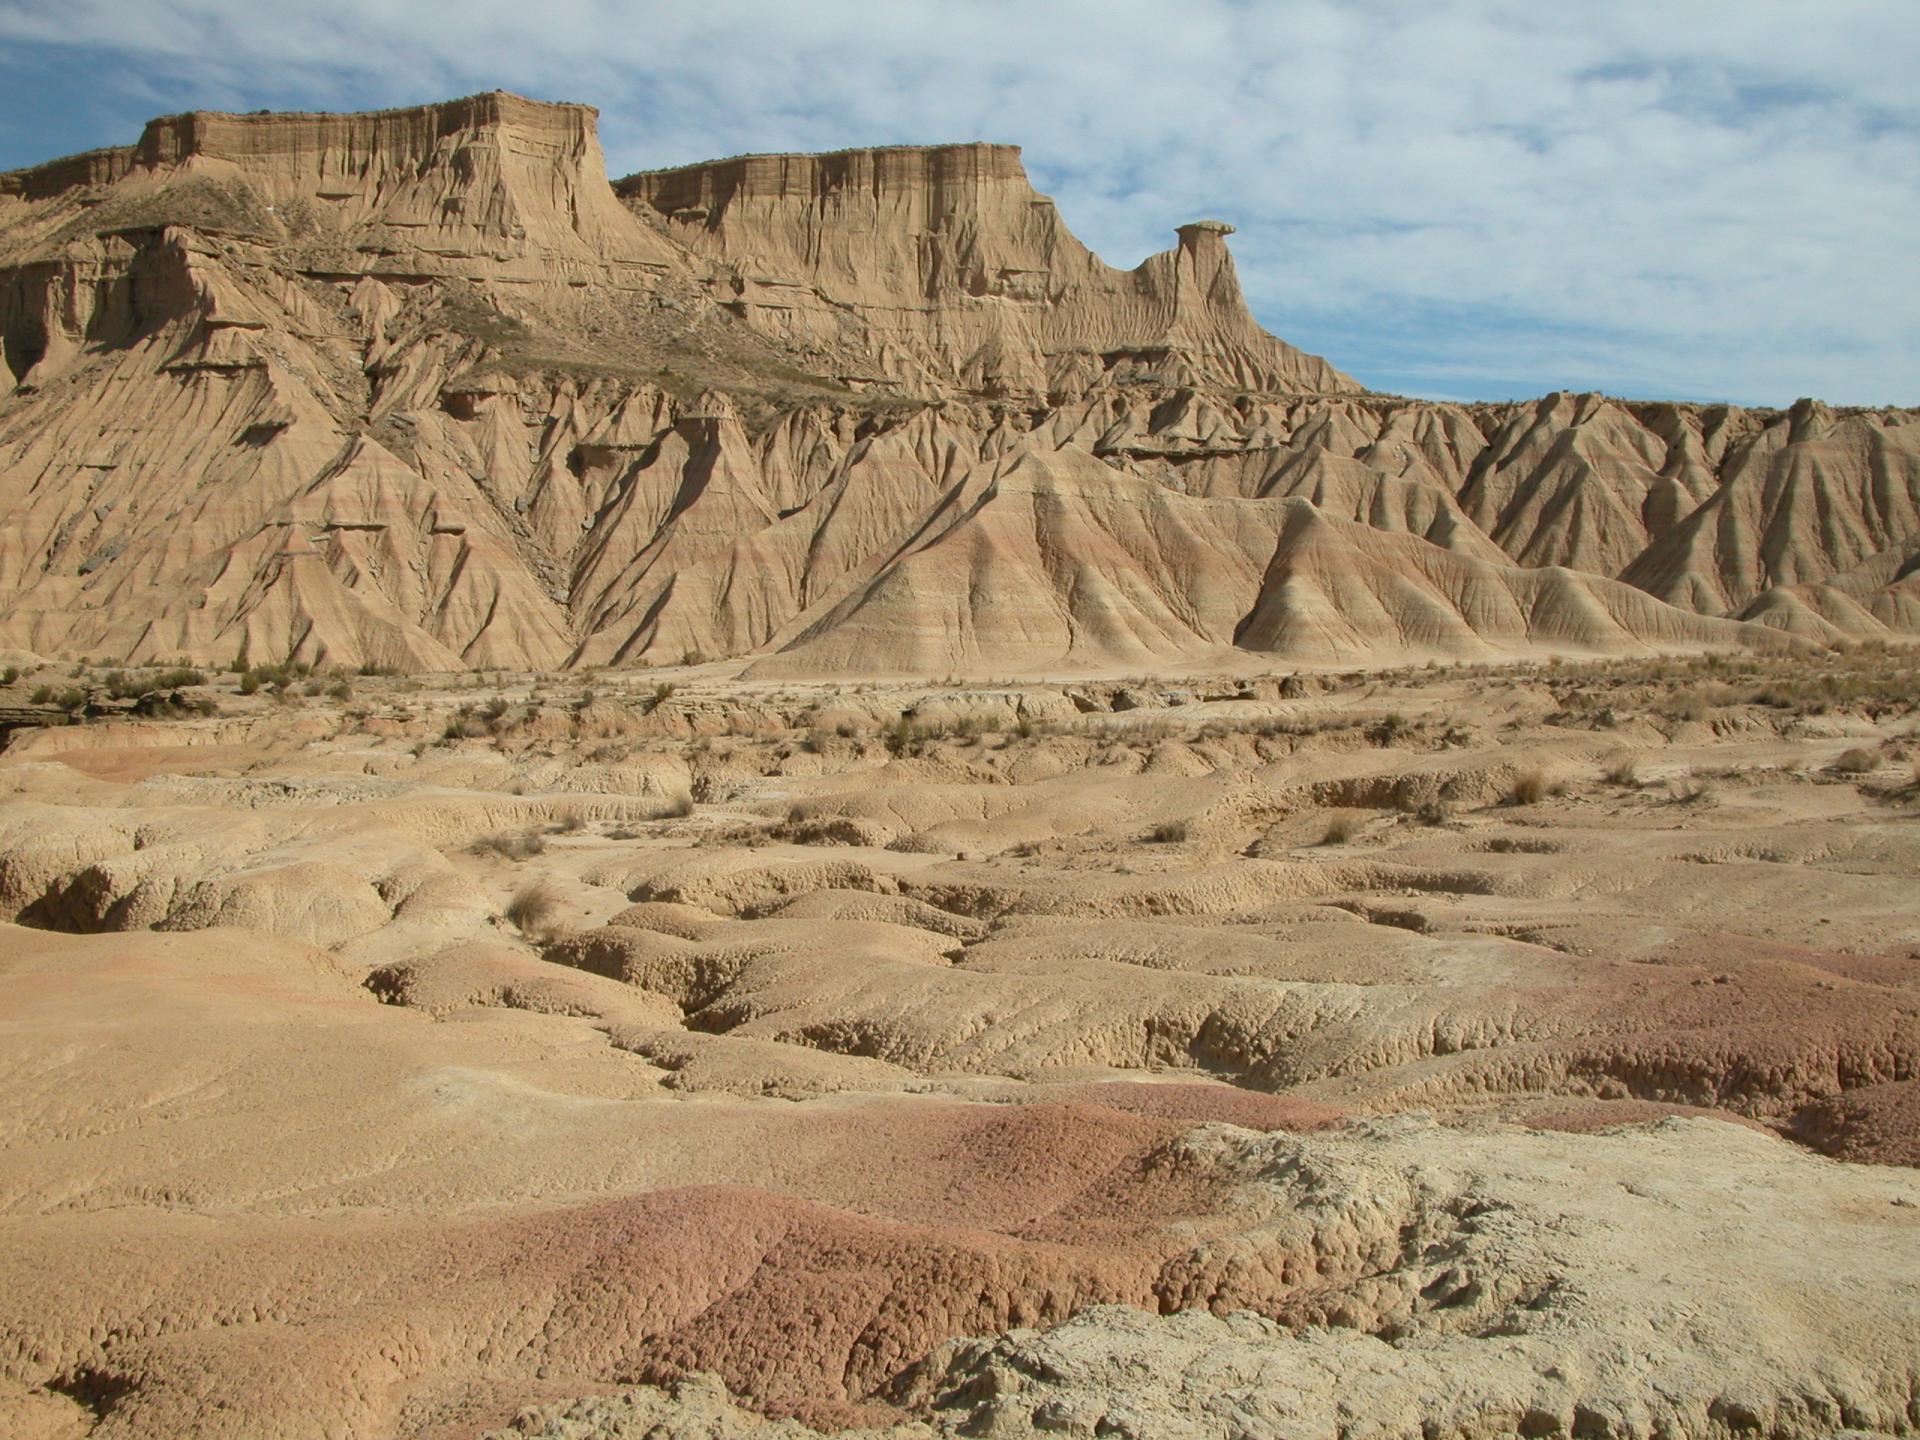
(1479, 198)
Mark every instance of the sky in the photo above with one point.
(1461, 199)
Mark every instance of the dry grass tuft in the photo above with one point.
(534, 910)
(510, 845)
(1623, 770)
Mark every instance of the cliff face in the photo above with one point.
(418, 388)
(959, 272)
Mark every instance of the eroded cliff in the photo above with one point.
(421, 388)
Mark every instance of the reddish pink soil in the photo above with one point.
(1879, 1123)
(972, 1219)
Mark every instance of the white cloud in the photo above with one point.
(1714, 198)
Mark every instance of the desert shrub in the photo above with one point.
(465, 725)
(1529, 788)
(1171, 832)
(510, 845)
(535, 909)
(9, 675)
(662, 693)
(121, 686)
(1341, 828)
(1386, 732)
(1144, 732)
(1855, 762)
(278, 677)
(572, 823)
(1435, 812)
(369, 668)
(677, 806)
(905, 737)
(249, 684)
(1689, 705)
(69, 698)
(969, 728)
(1623, 770)
(340, 690)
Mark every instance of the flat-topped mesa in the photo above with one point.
(322, 143)
(494, 174)
(964, 273)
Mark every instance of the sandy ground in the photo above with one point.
(1434, 1051)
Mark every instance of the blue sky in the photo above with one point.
(1703, 199)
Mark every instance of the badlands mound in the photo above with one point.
(420, 388)
(1443, 1052)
